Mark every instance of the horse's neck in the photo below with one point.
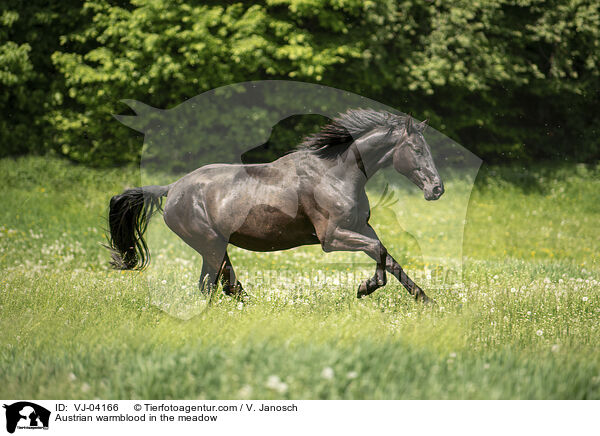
(369, 155)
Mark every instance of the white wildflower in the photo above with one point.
(245, 391)
(327, 373)
(275, 383)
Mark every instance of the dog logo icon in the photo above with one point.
(26, 415)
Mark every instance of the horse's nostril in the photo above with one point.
(437, 190)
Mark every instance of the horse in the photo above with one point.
(315, 194)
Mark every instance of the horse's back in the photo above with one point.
(256, 207)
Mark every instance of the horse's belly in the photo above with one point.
(267, 228)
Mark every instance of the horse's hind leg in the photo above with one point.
(215, 265)
(209, 275)
(228, 277)
(213, 250)
(187, 217)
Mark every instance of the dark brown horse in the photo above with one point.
(314, 195)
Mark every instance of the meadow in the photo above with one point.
(521, 321)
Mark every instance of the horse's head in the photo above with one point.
(412, 158)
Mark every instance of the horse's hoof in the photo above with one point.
(242, 296)
(366, 288)
(426, 300)
(236, 291)
(239, 295)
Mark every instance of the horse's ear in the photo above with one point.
(138, 107)
(139, 121)
(422, 125)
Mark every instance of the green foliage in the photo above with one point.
(506, 78)
(29, 84)
(16, 71)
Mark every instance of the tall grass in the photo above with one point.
(522, 322)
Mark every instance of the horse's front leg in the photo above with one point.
(364, 240)
(378, 280)
(396, 270)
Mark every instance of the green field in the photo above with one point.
(524, 322)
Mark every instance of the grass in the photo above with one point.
(523, 322)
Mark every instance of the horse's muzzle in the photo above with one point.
(433, 192)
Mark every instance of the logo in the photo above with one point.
(26, 415)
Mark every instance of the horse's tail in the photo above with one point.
(128, 219)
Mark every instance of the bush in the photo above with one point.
(509, 79)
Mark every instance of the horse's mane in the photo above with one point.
(335, 137)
